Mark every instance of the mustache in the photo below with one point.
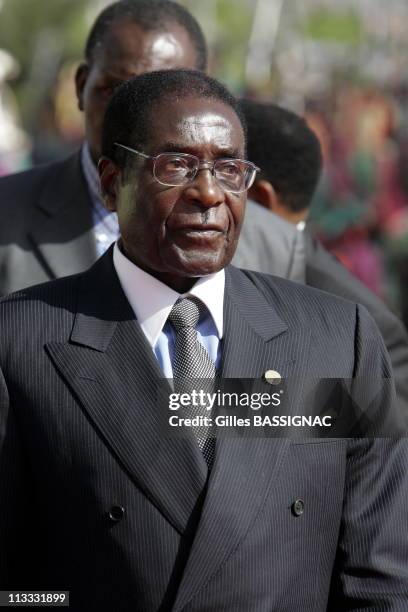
(205, 216)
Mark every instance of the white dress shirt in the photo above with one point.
(152, 301)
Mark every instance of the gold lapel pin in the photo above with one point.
(272, 377)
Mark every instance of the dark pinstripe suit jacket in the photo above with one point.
(79, 435)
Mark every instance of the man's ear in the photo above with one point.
(81, 77)
(264, 194)
(109, 175)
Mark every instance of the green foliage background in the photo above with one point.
(23, 21)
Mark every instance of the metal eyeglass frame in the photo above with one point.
(202, 164)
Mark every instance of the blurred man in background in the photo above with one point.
(290, 160)
(274, 238)
(52, 220)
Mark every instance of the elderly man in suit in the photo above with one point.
(98, 499)
(52, 219)
(275, 239)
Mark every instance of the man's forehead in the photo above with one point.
(141, 50)
(206, 118)
(208, 122)
(208, 126)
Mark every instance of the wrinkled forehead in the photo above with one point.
(196, 122)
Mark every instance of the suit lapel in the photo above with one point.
(249, 323)
(113, 373)
(256, 339)
(61, 229)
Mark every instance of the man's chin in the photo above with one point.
(202, 264)
(198, 271)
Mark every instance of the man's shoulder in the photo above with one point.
(336, 326)
(324, 272)
(300, 307)
(45, 312)
(37, 172)
(57, 294)
(296, 295)
(49, 310)
(24, 188)
(64, 293)
(28, 198)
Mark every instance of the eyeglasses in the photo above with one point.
(176, 169)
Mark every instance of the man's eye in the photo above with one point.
(175, 164)
(229, 168)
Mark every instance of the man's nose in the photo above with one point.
(205, 190)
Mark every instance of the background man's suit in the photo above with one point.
(87, 440)
(269, 244)
(45, 225)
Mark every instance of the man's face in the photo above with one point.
(180, 233)
(126, 51)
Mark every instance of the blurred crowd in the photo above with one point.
(360, 211)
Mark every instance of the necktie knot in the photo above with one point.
(185, 313)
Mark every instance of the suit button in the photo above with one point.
(116, 513)
(298, 507)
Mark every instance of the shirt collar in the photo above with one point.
(91, 173)
(152, 313)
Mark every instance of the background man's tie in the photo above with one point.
(193, 368)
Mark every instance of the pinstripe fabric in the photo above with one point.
(80, 433)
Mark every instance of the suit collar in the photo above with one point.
(102, 305)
